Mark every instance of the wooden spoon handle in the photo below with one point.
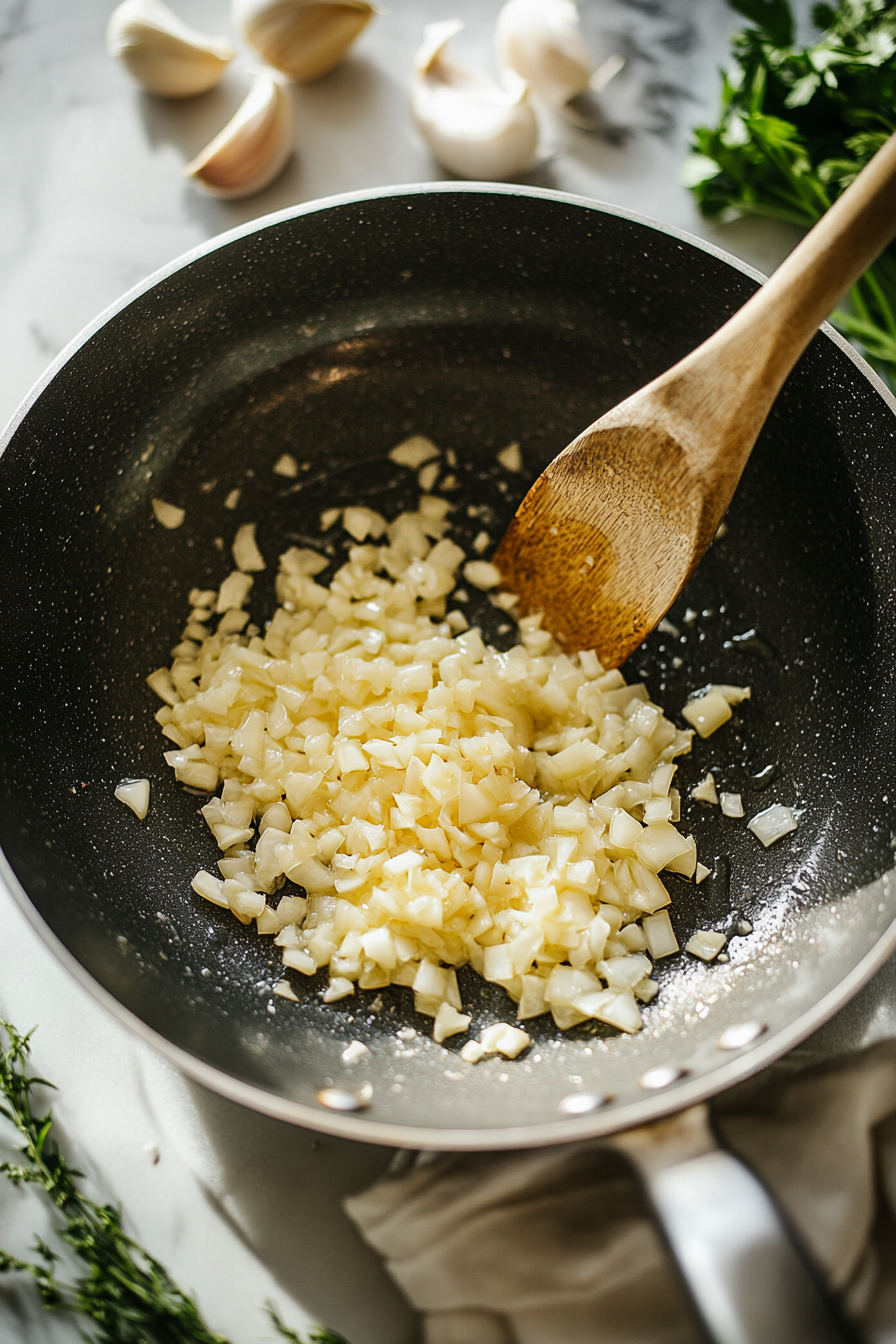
(613, 528)
(831, 257)
(727, 385)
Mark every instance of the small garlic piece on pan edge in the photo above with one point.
(252, 149)
(162, 53)
(303, 38)
(473, 127)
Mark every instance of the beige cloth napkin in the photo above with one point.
(556, 1245)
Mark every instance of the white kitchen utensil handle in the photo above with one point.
(748, 1279)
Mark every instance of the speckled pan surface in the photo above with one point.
(477, 316)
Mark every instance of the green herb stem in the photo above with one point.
(123, 1291)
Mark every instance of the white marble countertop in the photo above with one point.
(242, 1208)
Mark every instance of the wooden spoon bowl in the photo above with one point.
(609, 534)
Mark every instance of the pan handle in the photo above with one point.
(748, 1279)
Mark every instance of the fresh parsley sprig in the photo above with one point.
(125, 1292)
(797, 124)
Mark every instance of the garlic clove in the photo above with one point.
(540, 40)
(252, 148)
(162, 53)
(303, 38)
(474, 128)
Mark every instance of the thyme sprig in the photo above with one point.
(124, 1292)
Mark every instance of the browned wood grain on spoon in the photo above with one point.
(611, 531)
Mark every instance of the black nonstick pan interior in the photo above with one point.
(476, 317)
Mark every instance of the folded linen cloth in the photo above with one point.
(557, 1245)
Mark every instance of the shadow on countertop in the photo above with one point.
(280, 1188)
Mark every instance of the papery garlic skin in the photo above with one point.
(303, 38)
(162, 53)
(540, 40)
(474, 128)
(253, 147)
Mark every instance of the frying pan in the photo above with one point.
(476, 315)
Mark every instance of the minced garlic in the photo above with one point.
(439, 802)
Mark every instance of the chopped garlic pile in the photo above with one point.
(440, 802)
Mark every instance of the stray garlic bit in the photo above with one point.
(473, 127)
(503, 1039)
(253, 147)
(164, 54)
(705, 944)
(705, 791)
(168, 515)
(303, 38)
(134, 793)
(286, 465)
(541, 41)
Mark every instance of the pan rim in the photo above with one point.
(222, 240)
(360, 1127)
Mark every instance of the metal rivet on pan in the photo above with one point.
(583, 1103)
(662, 1076)
(744, 1033)
(338, 1100)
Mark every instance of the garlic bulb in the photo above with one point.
(303, 38)
(540, 40)
(252, 148)
(163, 53)
(473, 127)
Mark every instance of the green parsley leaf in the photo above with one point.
(796, 126)
(773, 17)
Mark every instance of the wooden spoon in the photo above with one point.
(611, 531)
